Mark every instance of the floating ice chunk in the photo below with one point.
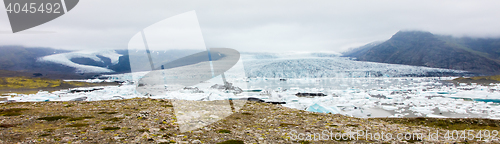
(322, 109)
(389, 107)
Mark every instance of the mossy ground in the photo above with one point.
(482, 80)
(495, 78)
(149, 121)
(28, 85)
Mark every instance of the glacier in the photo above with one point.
(315, 65)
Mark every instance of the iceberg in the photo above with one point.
(322, 109)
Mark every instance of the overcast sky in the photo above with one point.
(264, 25)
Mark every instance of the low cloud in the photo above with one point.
(255, 26)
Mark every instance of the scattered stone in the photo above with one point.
(162, 141)
(154, 129)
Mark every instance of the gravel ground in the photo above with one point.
(154, 121)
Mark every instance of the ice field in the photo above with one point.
(353, 88)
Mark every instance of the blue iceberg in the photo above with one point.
(322, 109)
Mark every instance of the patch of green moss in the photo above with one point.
(110, 128)
(224, 131)
(232, 142)
(171, 141)
(80, 118)
(167, 106)
(167, 135)
(77, 125)
(53, 118)
(12, 112)
(352, 125)
(26, 82)
(304, 142)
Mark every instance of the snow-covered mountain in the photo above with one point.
(65, 59)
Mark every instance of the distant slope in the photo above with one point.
(426, 49)
(86, 61)
(355, 52)
(24, 59)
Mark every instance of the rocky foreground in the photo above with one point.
(154, 121)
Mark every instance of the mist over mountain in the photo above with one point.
(414, 48)
(418, 48)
